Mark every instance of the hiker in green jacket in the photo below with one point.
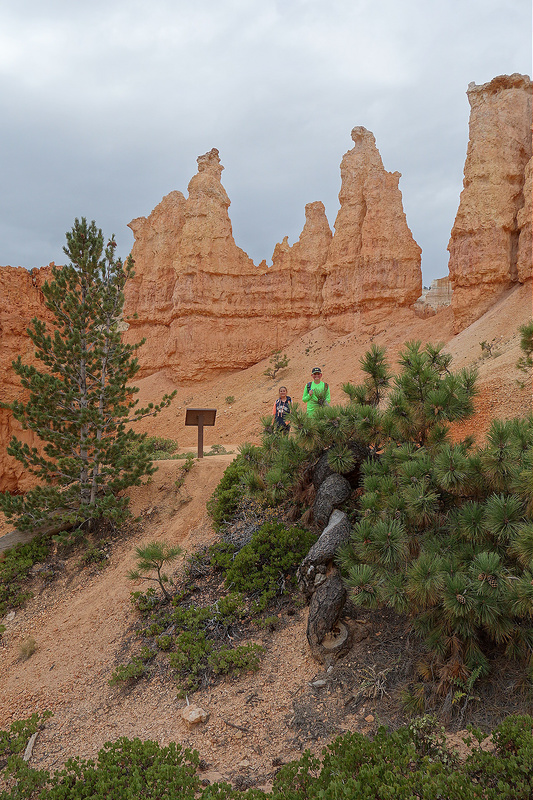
(316, 392)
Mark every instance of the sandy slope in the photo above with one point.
(80, 621)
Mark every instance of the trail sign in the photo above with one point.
(200, 417)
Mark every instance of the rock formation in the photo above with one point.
(523, 219)
(437, 297)
(373, 260)
(21, 299)
(490, 244)
(204, 306)
(200, 301)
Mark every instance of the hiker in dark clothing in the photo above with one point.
(282, 407)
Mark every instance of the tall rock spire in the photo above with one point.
(490, 244)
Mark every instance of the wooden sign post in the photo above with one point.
(200, 417)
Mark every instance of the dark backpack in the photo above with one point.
(310, 383)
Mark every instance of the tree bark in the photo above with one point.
(323, 551)
(324, 612)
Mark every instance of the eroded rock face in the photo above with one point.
(204, 306)
(523, 266)
(21, 299)
(490, 244)
(373, 260)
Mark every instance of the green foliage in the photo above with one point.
(124, 770)
(159, 449)
(445, 535)
(278, 361)
(267, 564)
(80, 406)
(414, 761)
(16, 738)
(229, 400)
(223, 504)
(15, 566)
(376, 382)
(525, 362)
(243, 658)
(132, 671)
(152, 557)
(193, 637)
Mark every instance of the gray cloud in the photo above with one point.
(106, 105)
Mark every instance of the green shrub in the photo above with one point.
(16, 738)
(221, 555)
(132, 671)
(14, 569)
(445, 535)
(159, 448)
(243, 658)
(413, 761)
(225, 499)
(267, 564)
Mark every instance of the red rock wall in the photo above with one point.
(21, 299)
(490, 244)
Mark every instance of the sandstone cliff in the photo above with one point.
(204, 306)
(21, 299)
(490, 244)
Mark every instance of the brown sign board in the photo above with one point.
(200, 417)
(192, 416)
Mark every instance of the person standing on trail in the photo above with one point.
(282, 407)
(316, 392)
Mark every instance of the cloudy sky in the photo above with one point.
(105, 106)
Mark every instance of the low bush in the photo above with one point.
(225, 499)
(159, 449)
(266, 566)
(15, 566)
(413, 761)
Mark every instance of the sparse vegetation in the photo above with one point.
(152, 557)
(229, 400)
(27, 648)
(15, 566)
(199, 639)
(413, 761)
(525, 362)
(278, 361)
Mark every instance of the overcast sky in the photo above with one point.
(105, 106)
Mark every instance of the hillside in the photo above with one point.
(82, 619)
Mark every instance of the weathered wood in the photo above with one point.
(331, 494)
(23, 537)
(29, 747)
(323, 551)
(325, 609)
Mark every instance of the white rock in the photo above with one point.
(194, 714)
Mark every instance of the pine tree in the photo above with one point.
(80, 405)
